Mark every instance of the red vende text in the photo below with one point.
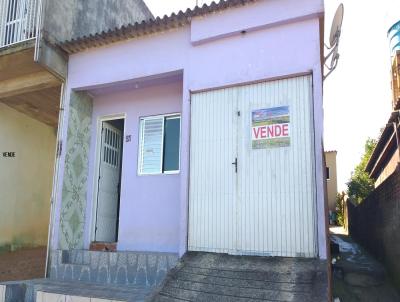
(270, 131)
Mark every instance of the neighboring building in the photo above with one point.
(331, 179)
(197, 132)
(375, 223)
(32, 73)
(394, 36)
(385, 157)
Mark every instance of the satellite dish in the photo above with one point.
(334, 39)
(336, 26)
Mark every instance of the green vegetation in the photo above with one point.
(340, 204)
(360, 184)
(271, 143)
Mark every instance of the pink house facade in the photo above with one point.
(160, 151)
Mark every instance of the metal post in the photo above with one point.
(55, 184)
(396, 131)
(18, 21)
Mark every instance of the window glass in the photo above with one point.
(172, 130)
(159, 144)
(327, 173)
(151, 145)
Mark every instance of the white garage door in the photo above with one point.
(252, 185)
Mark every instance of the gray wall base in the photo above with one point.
(121, 268)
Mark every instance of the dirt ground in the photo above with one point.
(357, 276)
(22, 264)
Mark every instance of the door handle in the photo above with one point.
(235, 163)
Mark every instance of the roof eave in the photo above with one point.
(382, 145)
(147, 27)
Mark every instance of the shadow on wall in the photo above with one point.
(375, 224)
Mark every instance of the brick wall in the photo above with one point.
(375, 224)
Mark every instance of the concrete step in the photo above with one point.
(270, 283)
(293, 277)
(189, 290)
(45, 290)
(218, 277)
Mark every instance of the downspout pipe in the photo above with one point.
(42, 5)
(39, 25)
(55, 178)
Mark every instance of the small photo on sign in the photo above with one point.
(270, 128)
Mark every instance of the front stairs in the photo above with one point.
(208, 277)
(88, 276)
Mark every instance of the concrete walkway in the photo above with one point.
(357, 276)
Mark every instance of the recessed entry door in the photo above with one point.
(252, 181)
(109, 183)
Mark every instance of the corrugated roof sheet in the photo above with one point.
(384, 140)
(147, 27)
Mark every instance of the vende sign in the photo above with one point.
(270, 128)
(271, 131)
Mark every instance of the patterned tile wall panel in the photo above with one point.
(122, 268)
(72, 216)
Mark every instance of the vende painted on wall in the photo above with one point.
(270, 128)
(8, 154)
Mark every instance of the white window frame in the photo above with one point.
(141, 140)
